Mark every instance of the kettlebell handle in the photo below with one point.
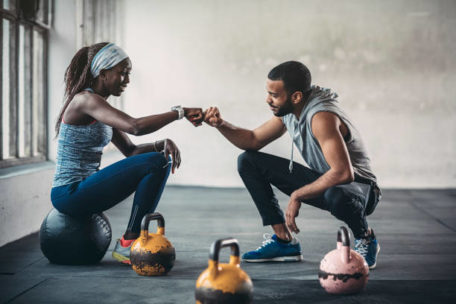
(150, 217)
(342, 236)
(219, 244)
(343, 244)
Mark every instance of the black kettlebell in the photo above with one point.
(224, 283)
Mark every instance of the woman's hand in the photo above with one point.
(212, 117)
(194, 115)
(170, 148)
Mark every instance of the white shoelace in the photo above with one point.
(267, 240)
(361, 247)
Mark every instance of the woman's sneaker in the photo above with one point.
(274, 251)
(368, 248)
(121, 251)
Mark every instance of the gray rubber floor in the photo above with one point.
(417, 263)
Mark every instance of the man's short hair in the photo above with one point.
(295, 76)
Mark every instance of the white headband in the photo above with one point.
(107, 58)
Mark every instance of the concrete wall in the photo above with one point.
(392, 63)
(25, 191)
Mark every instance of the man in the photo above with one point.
(339, 179)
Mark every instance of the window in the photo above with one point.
(24, 29)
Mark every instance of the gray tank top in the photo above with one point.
(79, 151)
(324, 100)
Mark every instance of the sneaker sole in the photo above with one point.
(376, 255)
(295, 258)
(121, 258)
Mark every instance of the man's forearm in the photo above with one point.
(241, 138)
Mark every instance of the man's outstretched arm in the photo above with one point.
(243, 138)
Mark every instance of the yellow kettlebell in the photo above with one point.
(152, 254)
(224, 283)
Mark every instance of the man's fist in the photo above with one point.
(212, 117)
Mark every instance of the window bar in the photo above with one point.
(98, 22)
(36, 81)
(106, 29)
(42, 15)
(20, 130)
(1, 89)
(6, 96)
(48, 12)
(110, 11)
(28, 99)
(43, 105)
(89, 26)
(13, 109)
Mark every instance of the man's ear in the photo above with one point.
(296, 97)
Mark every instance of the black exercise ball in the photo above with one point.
(75, 240)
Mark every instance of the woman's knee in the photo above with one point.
(156, 160)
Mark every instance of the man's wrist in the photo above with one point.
(294, 196)
(220, 125)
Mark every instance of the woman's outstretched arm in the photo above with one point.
(98, 108)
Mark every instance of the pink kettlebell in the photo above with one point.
(342, 270)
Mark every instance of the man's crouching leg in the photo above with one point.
(256, 170)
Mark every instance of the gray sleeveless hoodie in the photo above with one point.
(323, 100)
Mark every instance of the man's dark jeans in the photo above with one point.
(346, 202)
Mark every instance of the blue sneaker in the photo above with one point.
(368, 248)
(273, 251)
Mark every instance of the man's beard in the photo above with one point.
(287, 108)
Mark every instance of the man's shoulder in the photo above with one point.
(324, 117)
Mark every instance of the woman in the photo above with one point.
(87, 123)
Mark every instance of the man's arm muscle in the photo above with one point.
(326, 129)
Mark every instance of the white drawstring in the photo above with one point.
(290, 166)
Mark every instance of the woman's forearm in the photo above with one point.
(156, 146)
(148, 124)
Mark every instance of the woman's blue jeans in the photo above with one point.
(145, 174)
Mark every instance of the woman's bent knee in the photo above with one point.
(156, 160)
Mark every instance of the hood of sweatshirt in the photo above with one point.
(318, 95)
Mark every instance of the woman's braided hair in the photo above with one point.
(78, 76)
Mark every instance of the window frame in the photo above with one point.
(33, 124)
